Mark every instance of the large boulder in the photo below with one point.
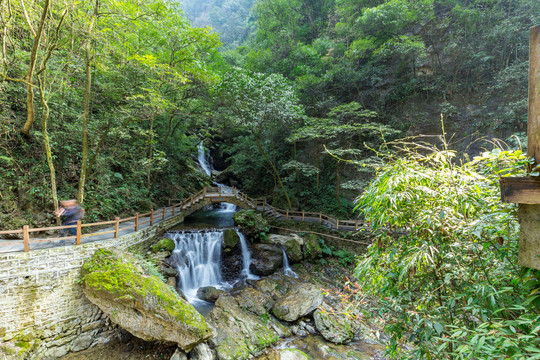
(242, 334)
(210, 293)
(230, 238)
(265, 259)
(292, 244)
(335, 327)
(251, 223)
(300, 301)
(255, 301)
(120, 285)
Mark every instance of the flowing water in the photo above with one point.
(286, 267)
(246, 258)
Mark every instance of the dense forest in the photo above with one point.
(301, 102)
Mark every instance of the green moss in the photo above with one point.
(120, 276)
(312, 249)
(251, 223)
(164, 245)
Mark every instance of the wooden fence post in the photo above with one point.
(337, 224)
(136, 221)
(191, 199)
(79, 231)
(151, 217)
(302, 215)
(264, 204)
(26, 238)
(356, 226)
(320, 218)
(287, 214)
(173, 210)
(116, 226)
(163, 216)
(169, 201)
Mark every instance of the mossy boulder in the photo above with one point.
(265, 259)
(251, 223)
(164, 245)
(334, 326)
(120, 285)
(311, 248)
(230, 238)
(300, 301)
(291, 243)
(241, 334)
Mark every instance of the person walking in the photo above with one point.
(70, 212)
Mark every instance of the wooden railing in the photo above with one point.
(216, 194)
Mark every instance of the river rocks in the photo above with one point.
(119, 285)
(241, 334)
(300, 301)
(285, 354)
(202, 352)
(179, 355)
(164, 245)
(292, 244)
(335, 327)
(266, 259)
(230, 238)
(209, 293)
(251, 223)
(254, 301)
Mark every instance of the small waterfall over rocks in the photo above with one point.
(286, 267)
(246, 258)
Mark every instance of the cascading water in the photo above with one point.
(286, 267)
(205, 163)
(198, 259)
(246, 258)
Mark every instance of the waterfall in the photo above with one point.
(286, 267)
(198, 259)
(246, 258)
(203, 161)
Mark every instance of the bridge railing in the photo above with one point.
(176, 206)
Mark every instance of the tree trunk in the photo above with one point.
(30, 74)
(47, 146)
(273, 169)
(86, 106)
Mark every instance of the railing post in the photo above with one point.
(163, 217)
(136, 221)
(151, 217)
(356, 226)
(264, 204)
(287, 214)
(302, 215)
(191, 199)
(320, 218)
(169, 201)
(174, 211)
(337, 224)
(26, 238)
(79, 231)
(116, 226)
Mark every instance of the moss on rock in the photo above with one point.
(164, 245)
(251, 223)
(230, 238)
(311, 249)
(119, 285)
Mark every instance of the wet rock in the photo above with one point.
(292, 244)
(334, 327)
(164, 245)
(202, 352)
(179, 355)
(118, 283)
(254, 301)
(209, 293)
(167, 271)
(285, 354)
(232, 265)
(239, 333)
(230, 238)
(266, 259)
(300, 301)
(276, 287)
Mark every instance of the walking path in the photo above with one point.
(120, 227)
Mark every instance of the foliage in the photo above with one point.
(450, 285)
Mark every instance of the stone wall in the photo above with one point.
(43, 311)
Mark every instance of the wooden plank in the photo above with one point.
(533, 125)
(520, 190)
(26, 238)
